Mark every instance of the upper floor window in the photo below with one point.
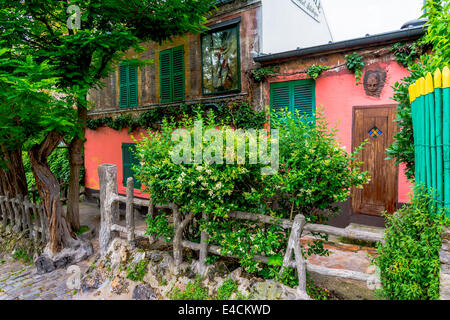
(128, 85)
(221, 70)
(171, 64)
(294, 96)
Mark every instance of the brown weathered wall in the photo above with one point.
(106, 100)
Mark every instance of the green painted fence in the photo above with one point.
(430, 110)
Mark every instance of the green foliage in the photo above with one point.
(227, 288)
(26, 86)
(315, 71)
(437, 13)
(402, 150)
(438, 26)
(22, 255)
(315, 174)
(59, 165)
(408, 53)
(137, 271)
(261, 74)
(159, 226)
(355, 64)
(240, 115)
(196, 291)
(82, 230)
(315, 170)
(193, 291)
(409, 259)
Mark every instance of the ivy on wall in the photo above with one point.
(355, 64)
(261, 74)
(238, 115)
(315, 71)
(407, 54)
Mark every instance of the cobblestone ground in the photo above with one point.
(19, 281)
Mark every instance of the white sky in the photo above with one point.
(350, 19)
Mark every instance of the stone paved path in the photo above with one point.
(19, 281)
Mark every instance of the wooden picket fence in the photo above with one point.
(111, 228)
(430, 110)
(24, 216)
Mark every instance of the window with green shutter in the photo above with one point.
(294, 96)
(128, 160)
(128, 86)
(171, 65)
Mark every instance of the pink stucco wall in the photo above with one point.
(337, 92)
(104, 145)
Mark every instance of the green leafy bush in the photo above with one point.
(159, 226)
(193, 291)
(196, 291)
(137, 271)
(315, 174)
(315, 171)
(409, 259)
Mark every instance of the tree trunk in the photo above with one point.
(49, 190)
(13, 178)
(63, 247)
(76, 161)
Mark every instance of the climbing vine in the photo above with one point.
(315, 71)
(407, 54)
(355, 64)
(261, 74)
(238, 115)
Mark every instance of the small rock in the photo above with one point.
(123, 253)
(144, 292)
(236, 274)
(119, 286)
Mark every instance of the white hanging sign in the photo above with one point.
(311, 7)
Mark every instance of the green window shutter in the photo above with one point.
(132, 86)
(165, 64)
(172, 74)
(294, 96)
(303, 92)
(128, 160)
(123, 83)
(178, 73)
(280, 98)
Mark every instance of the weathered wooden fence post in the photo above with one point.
(130, 212)
(17, 217)
(203, 249)
(44, 224)
(179, 226)
(109, 206)
(294, 246)
(4, 212)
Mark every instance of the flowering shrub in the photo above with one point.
(315, 173)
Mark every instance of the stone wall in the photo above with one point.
(445, 265)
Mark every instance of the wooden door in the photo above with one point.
(377, 125)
